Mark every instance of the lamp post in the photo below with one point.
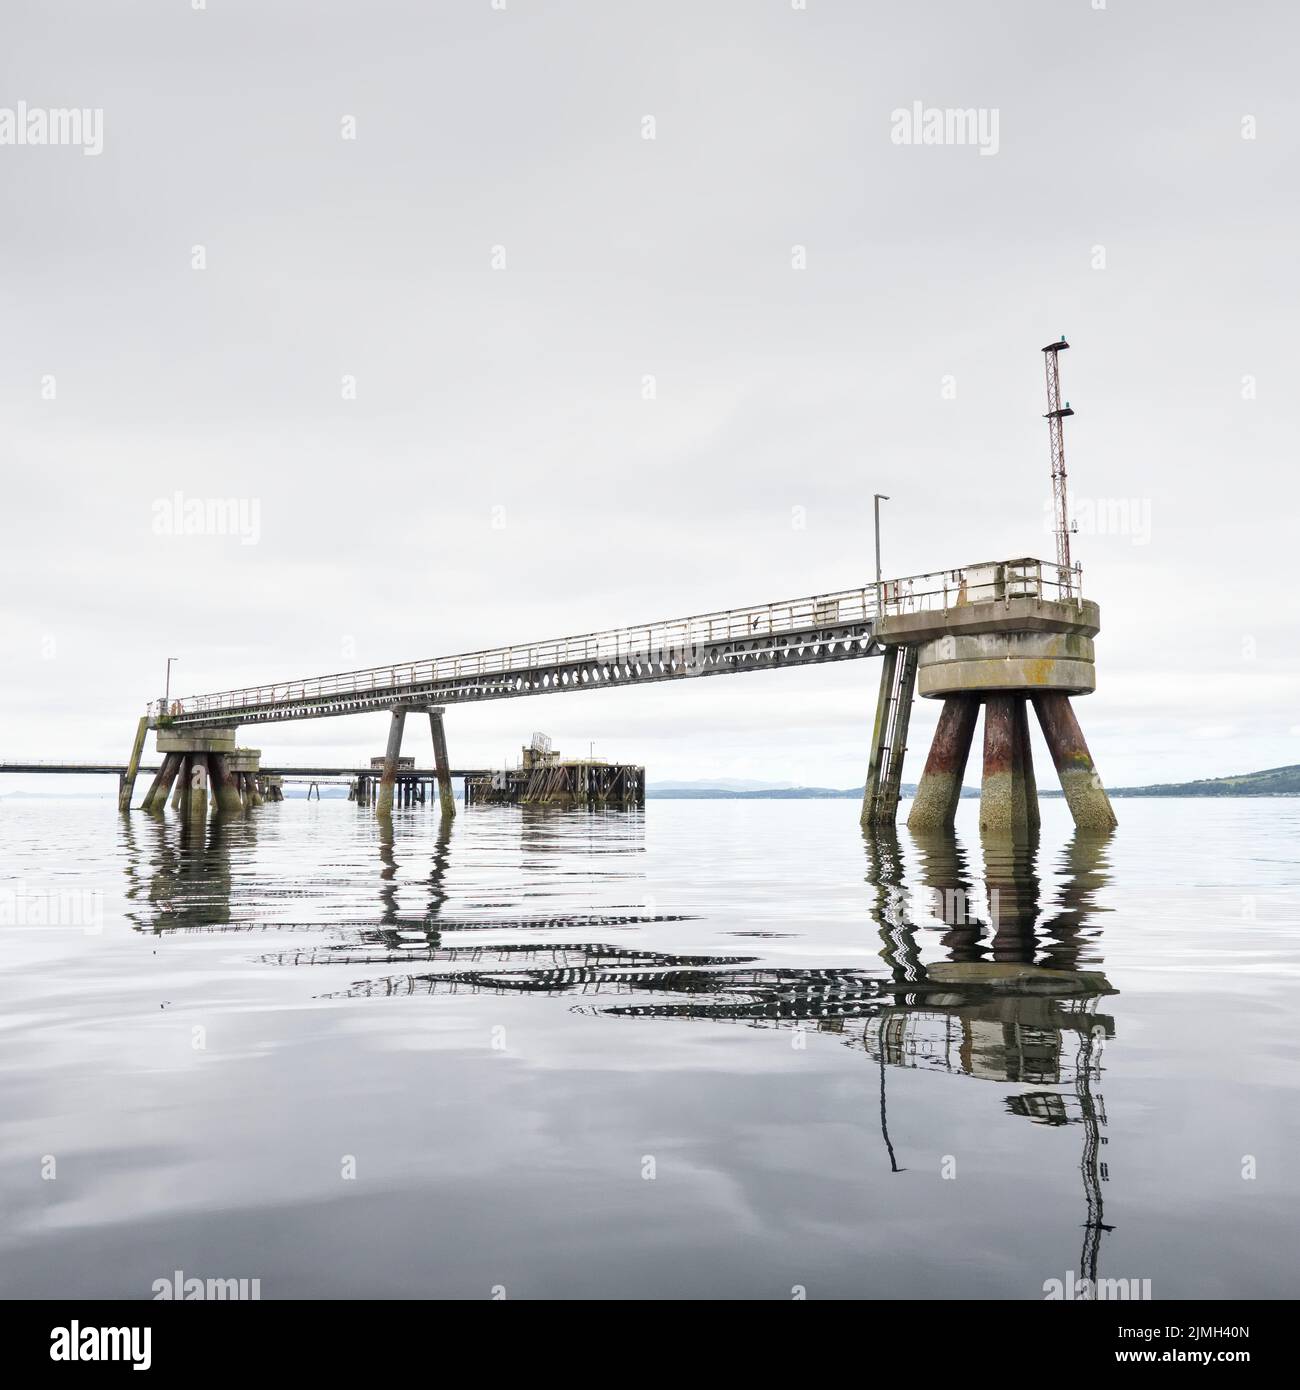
(879, 498)
(167, 688)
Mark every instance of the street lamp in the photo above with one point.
(167, 689)
(880, 497)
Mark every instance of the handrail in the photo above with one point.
(665, 641)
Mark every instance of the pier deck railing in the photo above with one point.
(819, 627)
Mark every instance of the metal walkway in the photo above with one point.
(795, 632)
(306, 773)
(799, 632)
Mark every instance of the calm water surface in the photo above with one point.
(712, 1049)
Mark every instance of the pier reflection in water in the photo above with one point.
(1010, 995)
(802, 1026)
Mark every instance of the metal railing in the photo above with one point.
(997, 580)
(988, 582)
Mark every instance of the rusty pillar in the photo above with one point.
(229, 802)
(1084, 793)
(181, 797)
(442, 765)
(171, 773)
(1027, 784)
(388, 781)
(937, 795)
(155, 799)
(1003, 803)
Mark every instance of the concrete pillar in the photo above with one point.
(939, 790)
(229, 802)
(181, 798)
(1003, 803)
(388, 781)
(155, 799)
(171, 776)
(197, 811)
(1084, 794)
(441, 764)
(1028, 783)
(127, 790)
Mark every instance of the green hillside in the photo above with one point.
(1275, 781)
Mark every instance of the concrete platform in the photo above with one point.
(196, 740)
(1007, 661)
(995, 615)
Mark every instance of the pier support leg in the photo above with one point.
(229, 802)
(127, 789)
(388, 780)
(197, 811)
(1003, 800)
(442, 765)
(889, 736)
(182, 781)
(1084, 793)
(876, 765)
(1028, 783)
(155, 799)
(939, 791)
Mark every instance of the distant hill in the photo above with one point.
(701, 791)
(1276, 781)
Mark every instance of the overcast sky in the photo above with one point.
(351, 172)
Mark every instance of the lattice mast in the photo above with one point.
(1055, 418)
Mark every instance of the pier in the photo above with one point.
(545, 778)
(1000, 636)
